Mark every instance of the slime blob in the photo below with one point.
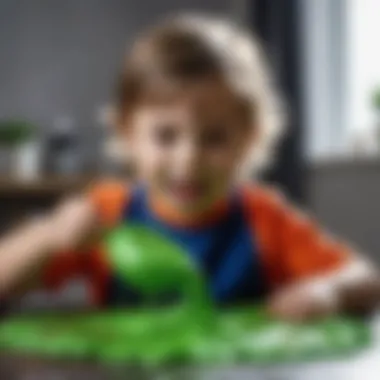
(154, 265)
(190, 332)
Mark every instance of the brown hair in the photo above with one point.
(166, 54)
(186, 49)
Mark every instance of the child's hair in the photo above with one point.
(189, 48)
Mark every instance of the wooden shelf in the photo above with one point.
(346, 163)
(48, 186)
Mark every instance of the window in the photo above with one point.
(342, 71)
(363, 61)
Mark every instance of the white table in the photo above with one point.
(363, 366)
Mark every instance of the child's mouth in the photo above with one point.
(187, 191)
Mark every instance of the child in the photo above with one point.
(198, 113)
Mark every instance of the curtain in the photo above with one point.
(277, 24)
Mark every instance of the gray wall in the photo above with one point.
(345, 198)
(60, 57)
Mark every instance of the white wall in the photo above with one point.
(363, 60)
(323, 54)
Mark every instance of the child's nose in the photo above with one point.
(189, 155)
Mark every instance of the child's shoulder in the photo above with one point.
(269, 207)
(109, 198)
(263, 197)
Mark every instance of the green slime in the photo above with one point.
(190, 332)
(154, 265)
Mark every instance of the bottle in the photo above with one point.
(64, 148)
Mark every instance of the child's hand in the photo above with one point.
(71, 223)
(304, 301)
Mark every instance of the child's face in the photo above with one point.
(189, 149)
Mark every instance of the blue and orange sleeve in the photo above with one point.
(108, 200)
(292, 246)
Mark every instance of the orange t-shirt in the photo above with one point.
(289, 246)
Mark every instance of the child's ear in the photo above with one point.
(249, 138)
(118, 140)
(117, 121)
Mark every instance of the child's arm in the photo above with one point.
(324, 276)
(24, 252)
(311, 273)
(353, 288)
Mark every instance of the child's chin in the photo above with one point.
(188, 206)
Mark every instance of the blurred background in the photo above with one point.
(58, 61)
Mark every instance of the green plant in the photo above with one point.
(376, 99)
(15, 132)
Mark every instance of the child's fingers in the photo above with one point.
(286, 307)
(298, 305)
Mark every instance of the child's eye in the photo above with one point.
(215, 137)
(165, 134)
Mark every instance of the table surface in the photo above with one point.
(363, 366)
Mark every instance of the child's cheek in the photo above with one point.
(149, 161)
(220, 171)
(223, 162)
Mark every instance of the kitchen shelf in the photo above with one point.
(47, 186)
